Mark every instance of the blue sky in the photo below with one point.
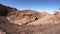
(40, 5)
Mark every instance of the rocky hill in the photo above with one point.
(24, 16)
(13, 21)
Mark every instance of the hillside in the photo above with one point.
(24, 16)
(48, 19)
(13, 21)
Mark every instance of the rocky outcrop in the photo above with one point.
(48, 19)
(13, 21)
(24, 17)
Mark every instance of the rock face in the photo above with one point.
(24, 17)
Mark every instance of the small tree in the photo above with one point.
(59, 8)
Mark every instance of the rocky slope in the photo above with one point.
(24, 17)
(10, 28)
(13, 21)
(48, 19)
